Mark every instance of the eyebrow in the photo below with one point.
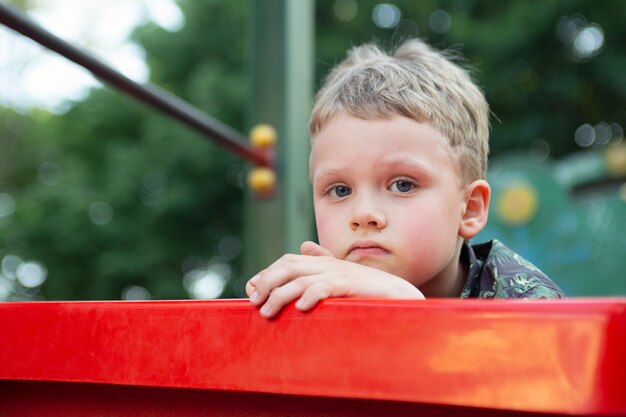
(397, 162)
(408, 162)
(328, 172)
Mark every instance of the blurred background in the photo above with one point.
(103, 198)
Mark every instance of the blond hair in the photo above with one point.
(417, 82)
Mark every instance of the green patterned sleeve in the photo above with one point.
(515, 277)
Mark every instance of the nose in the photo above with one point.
(367, 213)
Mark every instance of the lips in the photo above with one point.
(366, 249)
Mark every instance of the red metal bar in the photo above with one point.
(154, 96)
(447, 356)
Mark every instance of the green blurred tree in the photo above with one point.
(112, 195)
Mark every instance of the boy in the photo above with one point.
(398, 165)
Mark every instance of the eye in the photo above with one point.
(339, 191)
(402, 186)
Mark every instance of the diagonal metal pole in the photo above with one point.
(160, 99)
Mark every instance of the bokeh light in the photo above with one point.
(100, 213)
(600, 135)
(386, 15)
(7, 205)
(539, 150)
(346, 10)
(207, 283)
(589, 41)
(617, 133)
(585, 40)
(135, 293)
(568, 27)
(229, 247)
(603, 133)
(31, 274)
(10, 263)
(440, 21)
(6, 288)
(585, 135)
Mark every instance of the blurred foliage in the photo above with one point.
(111, 195)
(162, 198)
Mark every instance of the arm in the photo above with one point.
(315, 275)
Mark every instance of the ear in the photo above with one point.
(477, 197)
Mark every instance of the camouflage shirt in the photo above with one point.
(495, 271)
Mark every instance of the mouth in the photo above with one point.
(366, 249)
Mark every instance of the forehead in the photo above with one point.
(347, 141)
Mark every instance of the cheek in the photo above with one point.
(417, 232)
(323, 222)
(427, 224)
(329, 230)
(425, 245)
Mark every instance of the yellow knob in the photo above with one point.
(518, 204)
(616, 160)
(262, 180)
(263, 136)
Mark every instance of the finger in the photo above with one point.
(249, 289)
(313, 249)
(320, 290)
(251, 284)
(285, 294)
(284, 270)
(253, 280)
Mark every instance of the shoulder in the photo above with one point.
(512, 276)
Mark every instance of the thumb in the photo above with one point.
(313, 249)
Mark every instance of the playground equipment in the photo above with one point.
(282, 73)
(262, 180)
(567, 216)
(154, 96)
(345, 358)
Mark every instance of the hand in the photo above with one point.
(315, 275)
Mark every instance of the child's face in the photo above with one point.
(387, 195)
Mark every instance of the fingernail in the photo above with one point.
(265, 310)
(300, 304)
(254, 297)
